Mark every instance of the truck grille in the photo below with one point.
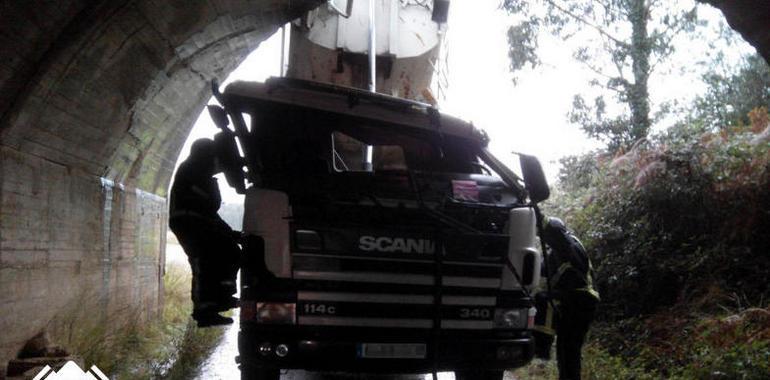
(346, 290)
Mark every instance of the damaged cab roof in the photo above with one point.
(351, 102)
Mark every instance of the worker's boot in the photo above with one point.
(207, 314)
(228, 303)
(208, 317)
(224, 296)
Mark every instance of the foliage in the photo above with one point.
(729, 98)
(676, 227)
(136, 347)
(623, 42)
(734, 347)
(683, 205)
(577, 172)
(598, 364)
(185, 344)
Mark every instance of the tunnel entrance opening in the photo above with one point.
(262, 63)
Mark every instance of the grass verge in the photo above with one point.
(133, 346)
(675, 344)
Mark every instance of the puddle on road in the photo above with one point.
(221, 363)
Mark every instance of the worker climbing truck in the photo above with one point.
(379, 235)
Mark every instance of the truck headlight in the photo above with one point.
(276, 313)
(307, 240)
(511, 318)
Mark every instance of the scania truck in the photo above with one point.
(381, 236)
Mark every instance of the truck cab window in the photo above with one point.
(350, 155)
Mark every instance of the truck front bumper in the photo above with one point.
(340, 349)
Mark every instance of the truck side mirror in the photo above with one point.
(337, 6)
(440, 11)
(534, 178)
(219, 116)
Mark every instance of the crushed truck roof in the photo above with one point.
(351, 102)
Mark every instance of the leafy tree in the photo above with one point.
(577, 172)
(623, 42)
(730, 97)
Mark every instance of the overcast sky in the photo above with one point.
(528, 117)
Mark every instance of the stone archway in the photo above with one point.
(96, 100)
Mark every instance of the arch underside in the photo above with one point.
(96, 100)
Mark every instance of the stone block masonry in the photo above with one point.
(68, 237)
(96, 101)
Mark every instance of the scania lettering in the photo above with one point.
(404, 245)
(420, 259)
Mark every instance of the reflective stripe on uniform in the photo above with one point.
(591, 291)
(547, 327)
(589, 288)
(562, 269)
(544, 329)
(588, 279)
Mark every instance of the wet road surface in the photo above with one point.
(220, 365)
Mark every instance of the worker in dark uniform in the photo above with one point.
(568, 309)
(210, 244)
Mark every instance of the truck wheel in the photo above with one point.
(259, 373)
(478, 375)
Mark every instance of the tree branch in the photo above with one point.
(597, 71)
(608, 10)
(619, 67)
(667, 52)
(679, 22)
(615, 89)
(585, 22)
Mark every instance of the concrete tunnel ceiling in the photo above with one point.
(112, 88)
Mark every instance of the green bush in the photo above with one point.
(671, 216)
(677, 230)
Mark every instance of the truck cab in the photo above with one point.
(380, 235)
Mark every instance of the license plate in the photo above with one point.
(391, 350)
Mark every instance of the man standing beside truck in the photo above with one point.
(210, 244)
(569, 310)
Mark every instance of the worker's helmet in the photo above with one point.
(554, 223)
(203, 155)
(555, 234)
(203, 149)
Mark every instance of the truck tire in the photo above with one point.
(259, 373)
(478, 375)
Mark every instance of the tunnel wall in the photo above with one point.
(96, 101)
(71, 238)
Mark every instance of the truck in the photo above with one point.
(380, 235)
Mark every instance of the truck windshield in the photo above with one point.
(288, 149)
(401, 152)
